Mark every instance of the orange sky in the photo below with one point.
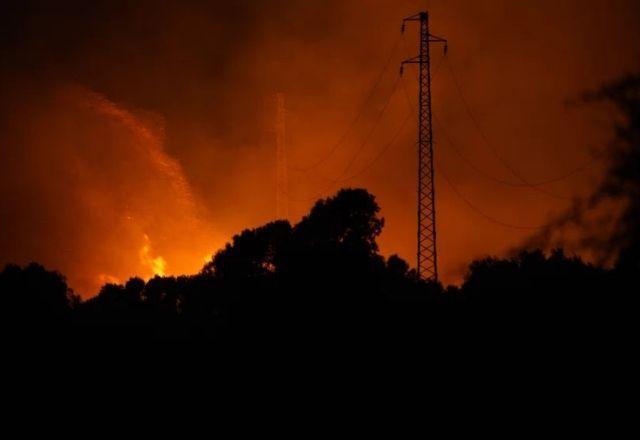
(139, 138)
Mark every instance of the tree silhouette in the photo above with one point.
(34, 293)
(335, 245)
(397, 267)
(323, 279)
(35, 304)
(347, 221)
(519, 279)
(253, 253)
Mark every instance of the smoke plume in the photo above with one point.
(137, 137)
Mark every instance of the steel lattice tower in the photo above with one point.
(427, 258)
(282, 191)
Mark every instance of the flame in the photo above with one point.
(158, 265)
(159, 205)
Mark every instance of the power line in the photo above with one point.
(467, 161)
(363, 144)
(480, 171)
(383, 150)
(481, 212)
(333, 181)
(485, 174)
(373, 129)
(357, 118)
(377, 157)
(533, 185)
(340, 178)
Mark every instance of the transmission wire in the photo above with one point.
(481, 212)
(357, 118)
(341, 177)
(480, 171)
(505, 163)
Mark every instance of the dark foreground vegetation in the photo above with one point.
(323, 281)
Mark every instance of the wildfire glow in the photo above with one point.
(128, 153)
(158, 265)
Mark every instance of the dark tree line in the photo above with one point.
(320, 280)
(323, 279)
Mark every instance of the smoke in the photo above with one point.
(605, 224)
(96, 194)
(120, 120)
(106, 104)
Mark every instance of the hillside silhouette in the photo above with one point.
(320, 280)
(323, 280)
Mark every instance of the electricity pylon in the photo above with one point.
(427, 258)
(282, 190)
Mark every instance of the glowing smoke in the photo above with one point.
(97, 196)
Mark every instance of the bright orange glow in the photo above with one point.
(136, 141)
(158, 265)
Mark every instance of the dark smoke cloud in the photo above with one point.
(82, 81)
(608, 219)
(100, 97)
